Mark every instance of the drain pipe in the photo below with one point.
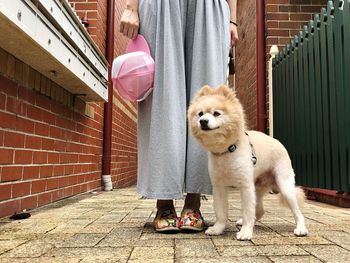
(108, 107)
(261, 65)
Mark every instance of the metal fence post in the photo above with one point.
(273, 52)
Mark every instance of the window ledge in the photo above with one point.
(48, 36)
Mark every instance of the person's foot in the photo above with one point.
(191, 220)
(191, 217)
(166, 221)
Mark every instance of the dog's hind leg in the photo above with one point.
(286, 183)
(221, 210)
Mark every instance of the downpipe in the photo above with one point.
(261, 65)
(108, 107)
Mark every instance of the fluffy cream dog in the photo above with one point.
(251, 161)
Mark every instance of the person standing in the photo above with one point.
(190, 42)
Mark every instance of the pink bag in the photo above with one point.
(133, 72)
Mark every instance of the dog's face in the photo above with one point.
(215, 118)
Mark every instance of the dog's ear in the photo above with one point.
(225, 91)
(205, 90)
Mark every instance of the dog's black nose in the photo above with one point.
(204, 123)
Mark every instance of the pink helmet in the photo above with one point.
(133, 72)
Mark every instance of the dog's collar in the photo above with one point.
(230, 149)
(233, 148)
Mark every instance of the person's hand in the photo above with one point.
(129, 23)
(234, 35)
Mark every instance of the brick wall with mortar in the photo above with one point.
(246, 60)
(51, 142)
(124, 139)
(96, 13)
(124, 142)
(284, 19)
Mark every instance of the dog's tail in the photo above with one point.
(300, 197)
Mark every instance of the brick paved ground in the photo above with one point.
(117, 227)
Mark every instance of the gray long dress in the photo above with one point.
(190, 41)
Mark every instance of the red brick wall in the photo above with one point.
(120, 41)
(124, 142)
(47, 150)
(101, 25)
(246, 60)
(96, 13)
(124, 139)
(284, 19)
(50, 150)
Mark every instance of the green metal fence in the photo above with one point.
(311, 99)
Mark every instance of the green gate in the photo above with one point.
(311, 99)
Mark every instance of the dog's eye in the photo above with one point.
(216, 114)
(200, 114)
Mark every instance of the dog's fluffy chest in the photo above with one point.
(230, 168)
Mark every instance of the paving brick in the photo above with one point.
(73, 226)
(154, 243)
(97, 229)
(92, 254)
(38, 260)
(337, 237)
(195, 248)
(328, 253)
(6, 245)
(146, 254)
(295, 259)
(82, 240)
(289, 240)
(111, 218)
(225, 260)
(30, 249)
(269, 250)
(87, 228)
(121, 237)
(229, 240)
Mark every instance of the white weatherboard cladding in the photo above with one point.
(47, 35)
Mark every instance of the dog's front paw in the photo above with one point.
(239, 222)
(245, 234)
(215, 230)
(301, 231)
